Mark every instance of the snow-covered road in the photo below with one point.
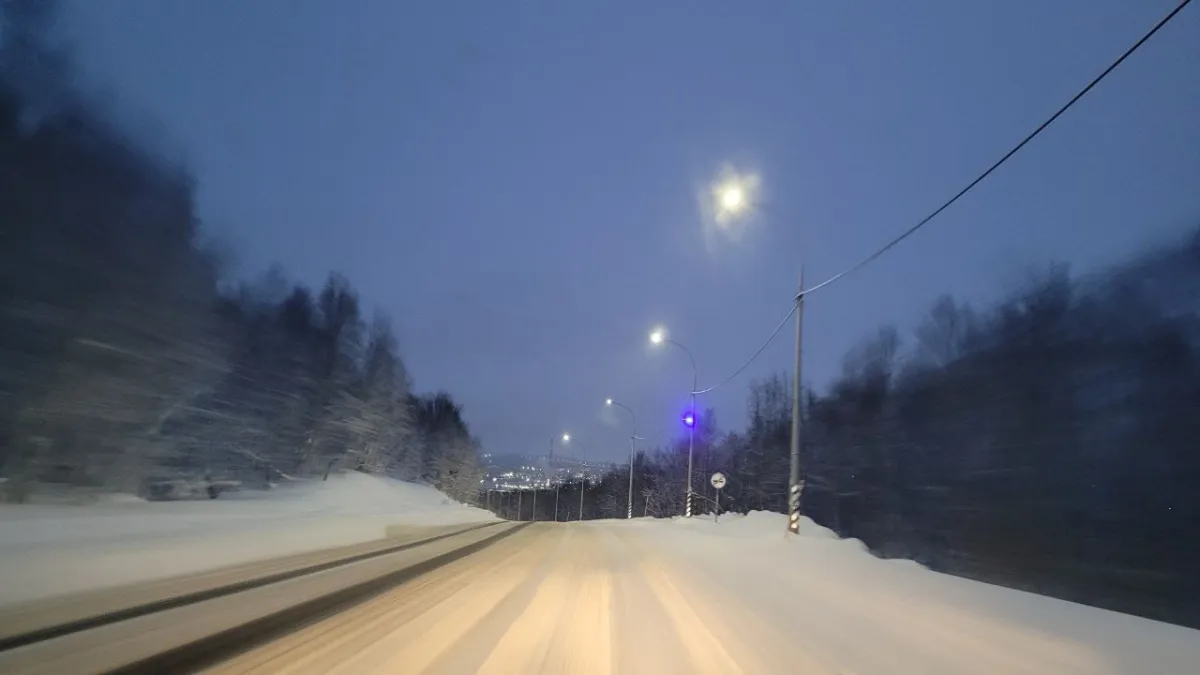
(662, 597)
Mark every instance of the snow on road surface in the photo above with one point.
(54, 550)
(654, 597)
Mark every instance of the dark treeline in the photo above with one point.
(125, 366)
(1049, 442)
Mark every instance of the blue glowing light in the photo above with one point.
(689, 420)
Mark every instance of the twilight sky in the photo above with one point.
(518, 184)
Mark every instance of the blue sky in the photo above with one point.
(517, 183)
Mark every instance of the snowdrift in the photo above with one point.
(54, 550)
(839, 598)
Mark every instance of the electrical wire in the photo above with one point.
(774, 333)
(921, 223)
(979, 179)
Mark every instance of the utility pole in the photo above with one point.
(795, 485)
(582, 489)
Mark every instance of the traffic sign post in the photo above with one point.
(718, 482)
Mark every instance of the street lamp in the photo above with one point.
(566, 438)
(734, 197)
(657, 337)
(632, 450)
(582, 478)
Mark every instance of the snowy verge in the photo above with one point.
(895, 616)
(54, 550)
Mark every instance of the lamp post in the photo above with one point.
(632, 450)
(566, 438)
(657, 337)
(582, 479)
(734, 198)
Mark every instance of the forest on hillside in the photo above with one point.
(127, 366)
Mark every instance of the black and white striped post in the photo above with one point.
(795, 485)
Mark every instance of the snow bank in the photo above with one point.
(871, 615)
(53, 550)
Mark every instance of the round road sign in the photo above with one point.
(718, 480)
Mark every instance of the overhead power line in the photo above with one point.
(750, 360)
(979, 179)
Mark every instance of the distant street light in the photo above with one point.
(659, 336)
(582, 490)
(566, 438)
(632, 450)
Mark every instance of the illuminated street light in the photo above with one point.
(733, 195)
(659, 336)
(689, 419)
(566, 438)
(632, 450)
(732, 198)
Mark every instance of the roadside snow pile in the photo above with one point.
(871, 615)
(759, 524)
(53, 550)
(768, 526)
